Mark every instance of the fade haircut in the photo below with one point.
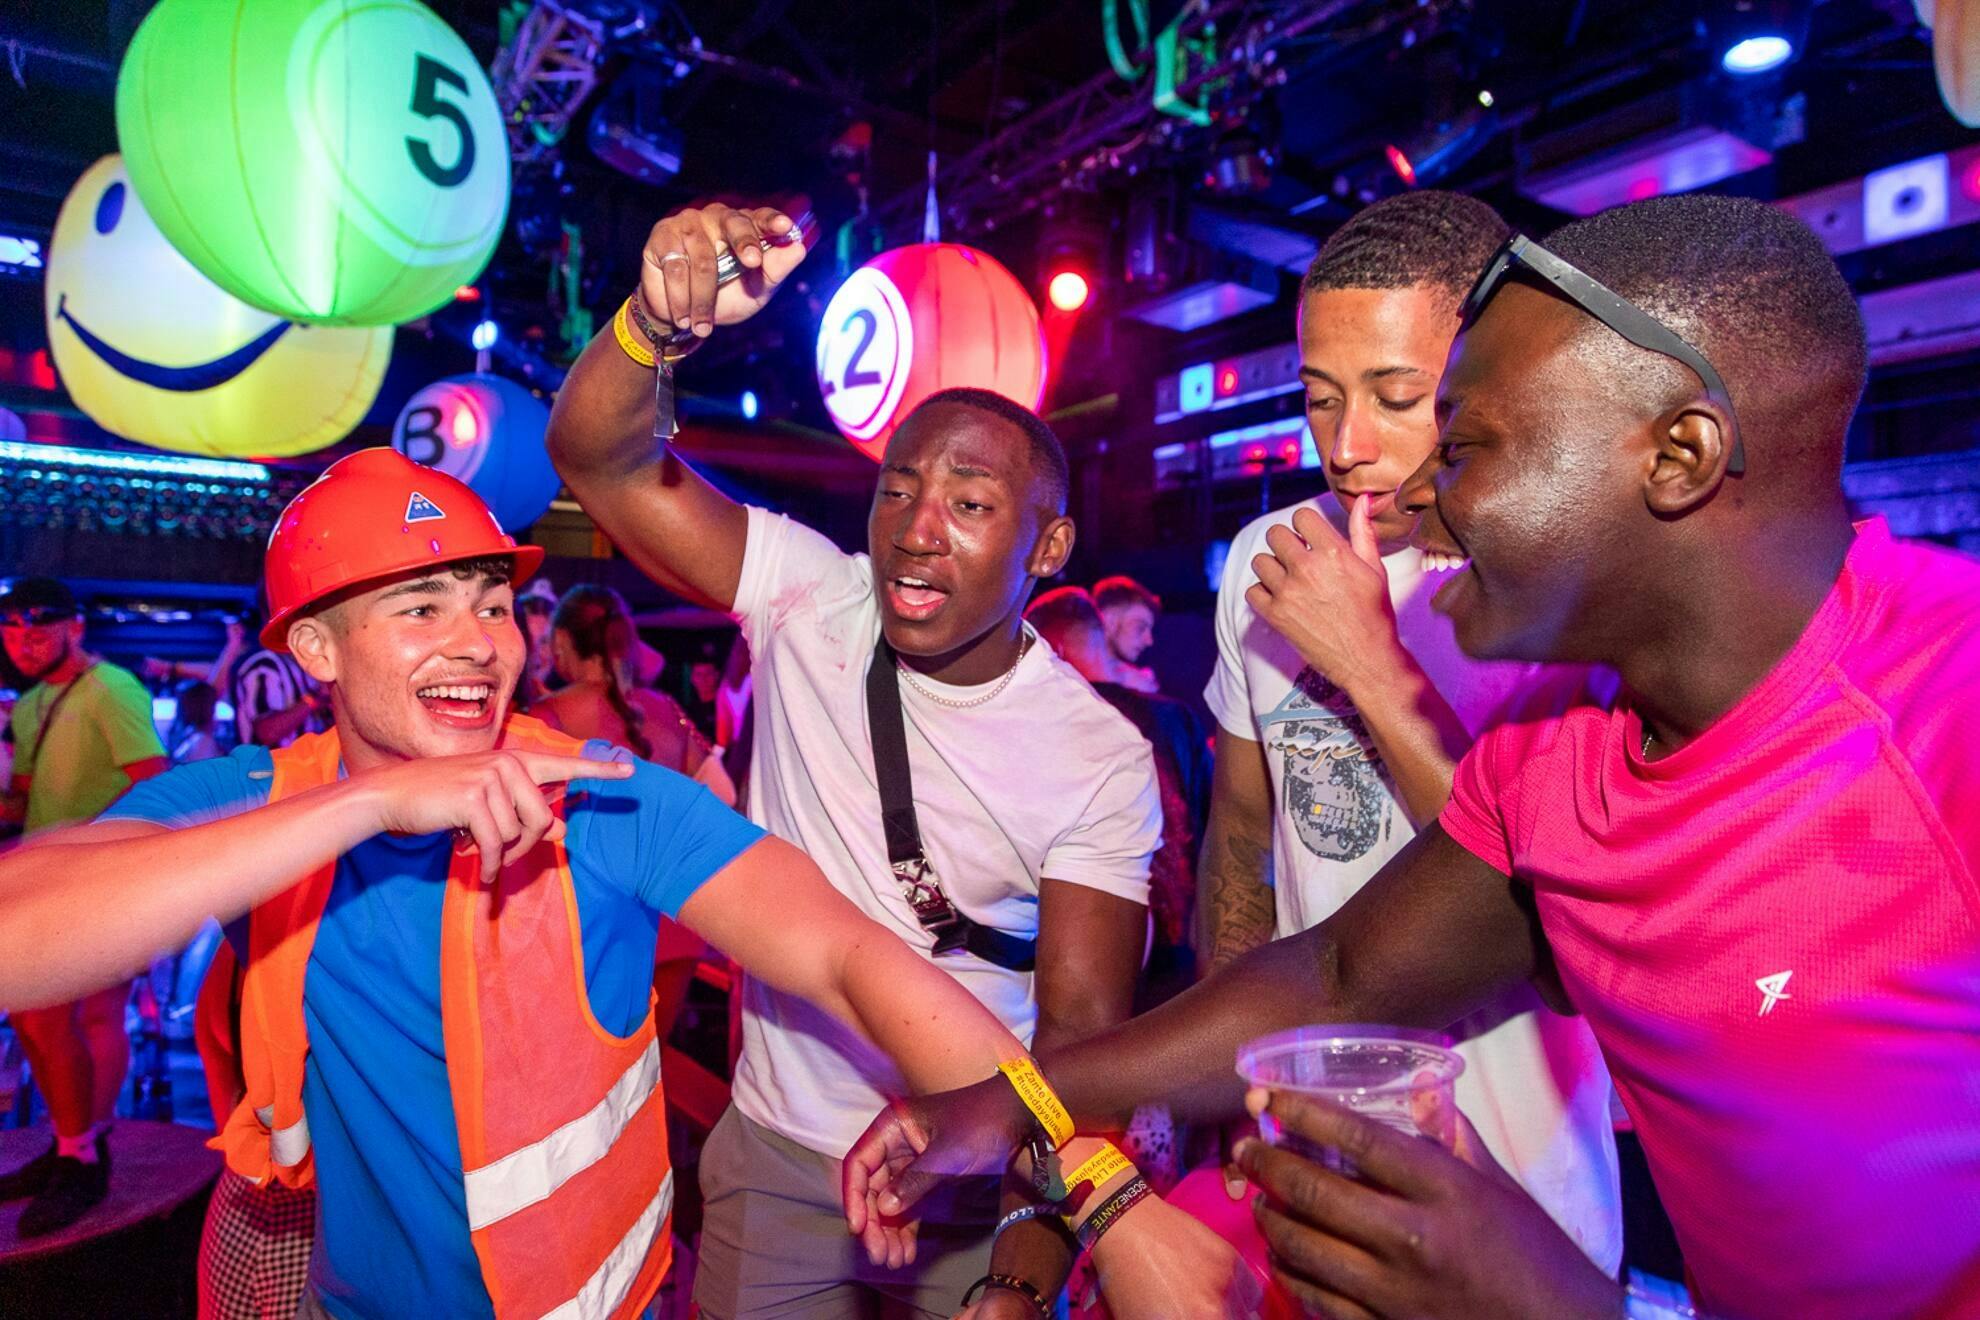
(1048, 456)
(1063, 613)
(1121, 590)
(1754, 290)
(1440, 239)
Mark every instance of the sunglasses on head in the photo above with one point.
(1521, 254)
(38, 617)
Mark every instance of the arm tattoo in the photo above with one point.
(1237, 902)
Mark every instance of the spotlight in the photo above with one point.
(1756, 36)
(1757, 54)
(485, 335)
(467, 293)
(1068, 291)
(1073, 242)
(750, 405)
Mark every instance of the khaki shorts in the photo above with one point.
(774, 1240)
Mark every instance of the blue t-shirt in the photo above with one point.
(392, 1219)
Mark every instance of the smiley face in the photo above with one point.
(154, 351)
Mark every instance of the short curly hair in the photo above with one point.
(1442, 239)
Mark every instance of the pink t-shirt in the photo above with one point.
(1775, 934)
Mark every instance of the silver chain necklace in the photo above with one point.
(951, 702)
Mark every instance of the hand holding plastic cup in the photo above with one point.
(1397, 1077)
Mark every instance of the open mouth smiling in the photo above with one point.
(468, 703)
(180, 380)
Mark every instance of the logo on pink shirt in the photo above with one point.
(1775, 989)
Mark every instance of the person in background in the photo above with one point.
(275, 702)
(735, 722)
(591, 645)
(1343, 702)
(82, 736)
(533, 610)
(195, 732)
(1129, 610)
(216, 672)
(704, 684)
(592, 641)
(1068, 620)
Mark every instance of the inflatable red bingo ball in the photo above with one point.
(921, 319)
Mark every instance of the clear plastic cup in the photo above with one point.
(1383, 1073)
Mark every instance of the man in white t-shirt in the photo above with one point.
(1034, 799)
(1343, 703)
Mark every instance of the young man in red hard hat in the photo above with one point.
(451, 914)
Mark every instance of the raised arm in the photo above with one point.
(681, 531)
(1433, 936)
(72, 920)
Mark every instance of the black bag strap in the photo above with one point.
(952, 929)
(48, 717)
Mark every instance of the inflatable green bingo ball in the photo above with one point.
(341, 162)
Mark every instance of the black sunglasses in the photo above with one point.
(1610, 308)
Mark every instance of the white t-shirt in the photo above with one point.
(1045, 779)
(1534, 1083)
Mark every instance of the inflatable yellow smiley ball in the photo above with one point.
(339, 162)
(151, 349)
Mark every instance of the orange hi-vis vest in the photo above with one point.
(562, 1124)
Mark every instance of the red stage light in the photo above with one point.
(1227, 382)
(467, 293)
(1969, 180)
(1400, 164)
(1068, 290)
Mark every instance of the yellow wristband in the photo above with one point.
(1039, 1098)
(1099, 1167)
(634, 345)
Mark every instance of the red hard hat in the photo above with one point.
(372, 515)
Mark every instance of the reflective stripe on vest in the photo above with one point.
(524, 1177)
(567, 1185)
(606, 1289)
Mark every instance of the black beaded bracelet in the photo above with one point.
(1010, 1283)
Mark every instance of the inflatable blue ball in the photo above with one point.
(487, 432)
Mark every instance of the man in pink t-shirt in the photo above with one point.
(1751, 863)
(1786, 985)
